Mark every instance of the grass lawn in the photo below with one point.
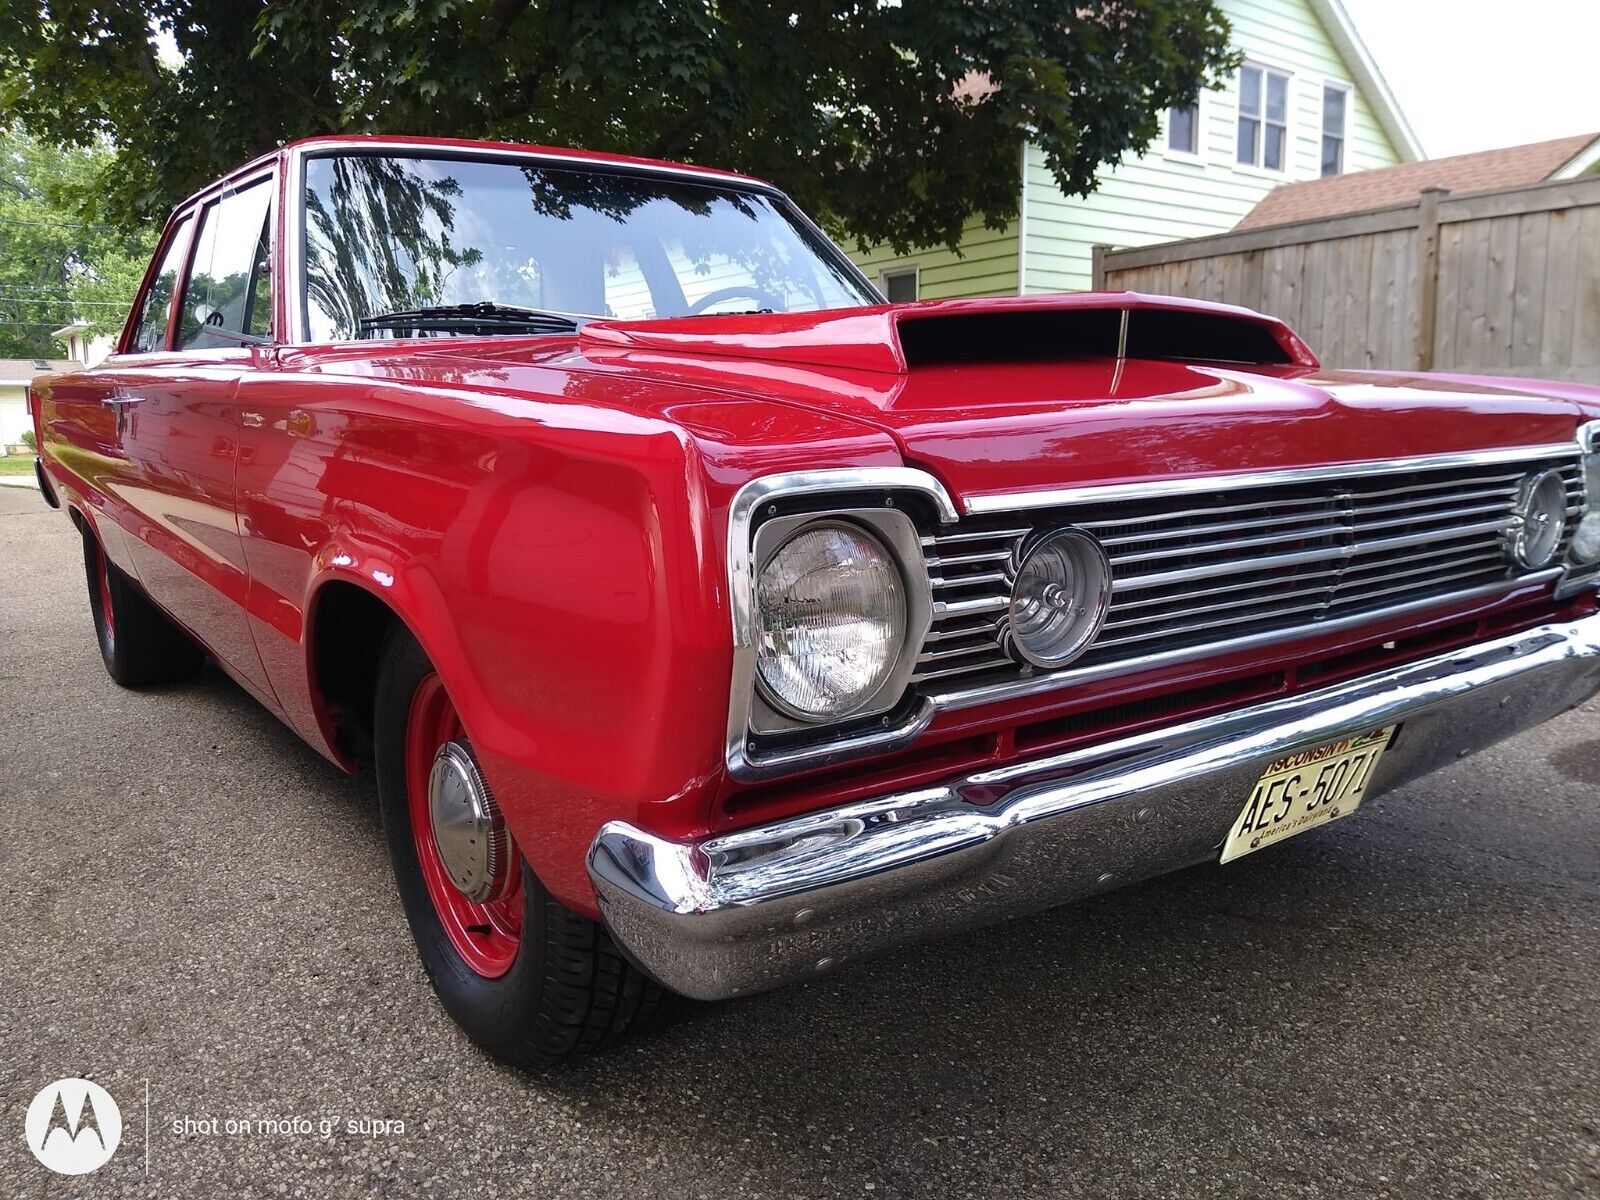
(16, 464)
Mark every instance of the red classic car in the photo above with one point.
(709, 623)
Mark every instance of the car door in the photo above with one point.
(183, 426)
(84, 417)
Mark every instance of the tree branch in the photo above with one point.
(666, 144)
(500, 17)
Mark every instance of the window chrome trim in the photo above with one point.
(1192, 484)
(741, 555)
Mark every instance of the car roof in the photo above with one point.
(481, 145)
(412, 142)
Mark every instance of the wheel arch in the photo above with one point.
(353, 603)
(346, 625)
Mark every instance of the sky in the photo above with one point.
(1478, 74)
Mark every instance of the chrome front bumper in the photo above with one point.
(783, 902)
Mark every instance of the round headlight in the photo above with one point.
(1059, 600)
(1541, 512)
(833, 619)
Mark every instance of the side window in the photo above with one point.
(1263, 117)
(1335, 104)
(899, 286)
(151, 335)
(1183, 129)
(229, 285)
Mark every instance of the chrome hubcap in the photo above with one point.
(467, 826)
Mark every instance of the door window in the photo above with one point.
(151, 334)
(230, 284)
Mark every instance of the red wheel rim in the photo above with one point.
(487, 935)
(103, 576)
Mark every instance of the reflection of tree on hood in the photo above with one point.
(383, 238)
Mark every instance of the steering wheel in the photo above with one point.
(763, 299)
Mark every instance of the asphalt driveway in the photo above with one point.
(1407, 1004)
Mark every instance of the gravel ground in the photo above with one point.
(1407, 1004)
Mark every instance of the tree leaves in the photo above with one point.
(54, 265)
(892, 122)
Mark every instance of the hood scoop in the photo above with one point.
(898, 339)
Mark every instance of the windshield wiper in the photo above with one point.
(484, 314)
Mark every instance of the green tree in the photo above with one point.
(894, 122)
(54, 265)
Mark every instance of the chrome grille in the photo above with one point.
(1192, 571)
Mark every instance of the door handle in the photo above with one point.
(120, 400)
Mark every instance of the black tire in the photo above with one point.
(139, 643)
(568, 991)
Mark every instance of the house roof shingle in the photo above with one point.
(23, 370)
(1359, 191)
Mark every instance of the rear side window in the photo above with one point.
(151, 335)
(230, 286)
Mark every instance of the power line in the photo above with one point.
(65, 301)
(32, 324)
(54, 224)
(52, 288)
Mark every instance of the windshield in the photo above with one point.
(386, 234)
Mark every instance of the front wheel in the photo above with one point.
(528, 979)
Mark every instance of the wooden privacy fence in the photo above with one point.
(1500, 283)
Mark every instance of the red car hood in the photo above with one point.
(992, 397)
(1017, 395)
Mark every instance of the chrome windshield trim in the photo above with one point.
(1105, 493)
(543, 154)
(742, 520)
(293, 226)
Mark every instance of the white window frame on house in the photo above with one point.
(914, 271)
(1168, 150)
(1335, 85)
(1257, 162)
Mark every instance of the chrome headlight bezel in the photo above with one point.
(894, 532)
(1090, 580)
(1534, 542)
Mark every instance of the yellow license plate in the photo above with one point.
(1306, 789)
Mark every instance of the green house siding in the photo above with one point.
(986, 266)
(1161, 196)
